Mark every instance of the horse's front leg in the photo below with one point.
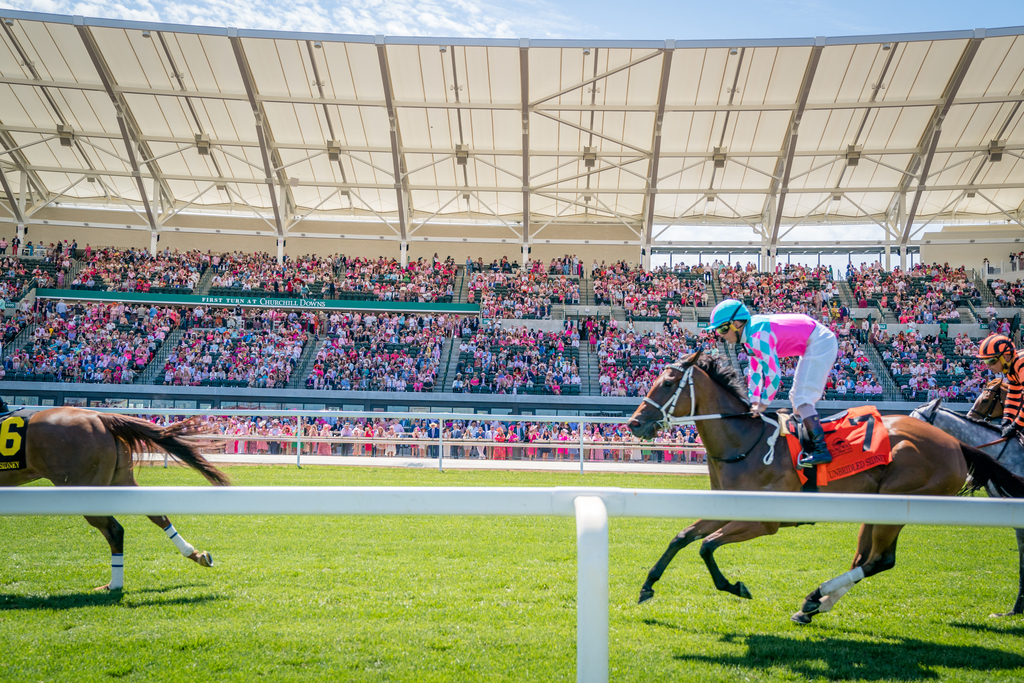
(694, 532)
(733, 532)
(1018, 607)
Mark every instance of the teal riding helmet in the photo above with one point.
(726, 312)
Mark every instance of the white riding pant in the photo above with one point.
(812, 370)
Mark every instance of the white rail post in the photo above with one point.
(591, 590)
(581, 425)
(298, 442)
(440, 447)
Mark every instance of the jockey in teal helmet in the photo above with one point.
(767, 338)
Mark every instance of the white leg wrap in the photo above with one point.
(842, 581)
(184, 546)
(830, 600)
(116, 571)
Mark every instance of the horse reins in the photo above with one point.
(669, 420)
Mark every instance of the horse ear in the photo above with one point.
(692, 360)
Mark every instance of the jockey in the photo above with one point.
(770, 337)
(999, 355)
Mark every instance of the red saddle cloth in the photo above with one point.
(857, 440)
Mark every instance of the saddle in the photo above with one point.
(856, 438)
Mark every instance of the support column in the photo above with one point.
(888, 257)
(280, 250)
(403, 248)
(645, 259)
(903, 258)
(153, 238)
(21, 235)
(526, 255)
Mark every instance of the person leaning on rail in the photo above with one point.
(1000, 356)
(770, 337)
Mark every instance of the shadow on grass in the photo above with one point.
(842, 659)
(10, 602)
(1009, 626)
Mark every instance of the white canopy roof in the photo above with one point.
(631, 135)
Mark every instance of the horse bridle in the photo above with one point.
(669, 419)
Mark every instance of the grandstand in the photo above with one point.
(500, 226)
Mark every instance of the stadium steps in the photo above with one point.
(20, 340)
(156, 366)
(301, 372)
(892, 392)
(587, 291)
(987, 297)
(205, 282)
(590, 371)
(967, 315)
(462, 291)
(716, 289)
(846, 294)
(451, 359)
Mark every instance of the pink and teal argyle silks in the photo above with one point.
(767, 338)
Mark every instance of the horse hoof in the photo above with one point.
(801, 618)
(205, 559)
(742, 592)
(810, 607)
(1005, 614)
(645, 595)
(107, 588)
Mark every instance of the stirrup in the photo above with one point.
(808, 460)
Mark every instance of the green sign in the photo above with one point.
(258, 302)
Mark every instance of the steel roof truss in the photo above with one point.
(51, 199)
(498, 168)
(431, 217)
(611, 166)
(401, 181)
(920, 228)
(306, 215)
(590, 131)
(257, 212)
(168, 216)
(353, 193)
(599, 77)
(1000, 209)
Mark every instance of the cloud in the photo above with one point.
(438, 18)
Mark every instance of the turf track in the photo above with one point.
(485, 599)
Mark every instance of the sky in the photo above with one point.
(567, 19)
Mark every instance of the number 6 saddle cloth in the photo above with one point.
(856, 438)
(12, 440)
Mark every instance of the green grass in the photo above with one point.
(485, 599)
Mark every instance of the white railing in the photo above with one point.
(579, 447)
(590, 506)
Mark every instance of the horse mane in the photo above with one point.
(724, 375)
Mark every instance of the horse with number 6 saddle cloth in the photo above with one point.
(855, 438)
(13, 444)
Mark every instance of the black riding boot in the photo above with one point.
(818, 455)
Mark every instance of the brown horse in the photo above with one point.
(925, 461)
(78, 447)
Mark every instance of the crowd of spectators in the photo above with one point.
(381, 352)
(102, 343)
(136, 270)
(259, 348)
(643, 294)
(793, 288)
(461, 439)
(926, 367)
(517, 360)
(927, 293)
(630, 361)
(521, 295)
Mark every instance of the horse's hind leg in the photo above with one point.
(695, 532)
(114, 533)
(733, 532)
(200, 557)
(880, 557)
(1018, 607)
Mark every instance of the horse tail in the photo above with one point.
(136, 434)
(984, 470)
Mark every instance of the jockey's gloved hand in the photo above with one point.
(1009, 429)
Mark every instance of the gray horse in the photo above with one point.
(1009, 454)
